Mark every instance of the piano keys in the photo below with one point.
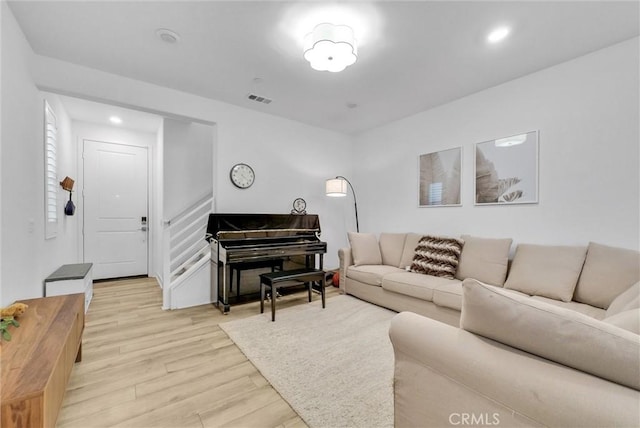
(249, 238)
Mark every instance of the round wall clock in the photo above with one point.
(299, 206)
(242, 175)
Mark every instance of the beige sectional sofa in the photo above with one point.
(548, 339)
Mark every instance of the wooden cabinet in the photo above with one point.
(37, 362)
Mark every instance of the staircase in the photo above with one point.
(186, 274)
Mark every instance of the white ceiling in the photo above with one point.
(412, 55)
(89, 111)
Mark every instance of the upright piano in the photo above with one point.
(249, 238)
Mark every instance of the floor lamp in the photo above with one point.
(337, 187)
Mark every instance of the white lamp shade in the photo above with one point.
(336, 187)
(330, 47)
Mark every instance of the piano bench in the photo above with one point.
(274, 280)
(273, 264)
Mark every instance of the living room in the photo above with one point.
(584, 107)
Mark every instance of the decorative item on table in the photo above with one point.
(299, 206)
(7, 318)
(67, 184)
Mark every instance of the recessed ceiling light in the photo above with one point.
(167, 35)
(498, 34)
(115, 120)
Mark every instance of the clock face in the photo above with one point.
(299, 205)
(242, 175)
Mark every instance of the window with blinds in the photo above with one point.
(50, 173)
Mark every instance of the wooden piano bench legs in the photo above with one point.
(274, 280)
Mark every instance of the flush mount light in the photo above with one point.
(511, 141)
(115, 120)
(330, 47)
(167, 35)
(498, 34)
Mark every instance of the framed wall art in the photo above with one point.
(440, 178)
(506, 170)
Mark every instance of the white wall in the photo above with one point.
(27, 257)
(188, 164)
(587, 113)
(22, 221)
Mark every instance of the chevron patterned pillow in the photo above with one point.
(437, 256)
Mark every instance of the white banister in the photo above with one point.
(185, 252)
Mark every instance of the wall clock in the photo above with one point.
(299, 206)
(242, 175)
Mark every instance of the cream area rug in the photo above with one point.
(334, 366)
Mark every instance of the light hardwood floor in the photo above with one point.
(145, 367)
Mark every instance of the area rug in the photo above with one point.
(334, 366)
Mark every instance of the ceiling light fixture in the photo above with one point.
(498, 34)
(330, 47)
(511, 141)
(115, 120)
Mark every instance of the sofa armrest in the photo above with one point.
(346, 260)
(447, 376)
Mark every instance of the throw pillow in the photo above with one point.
(391, 246)
(629, 320)
(629, 299)
(484, 259)
(607, 272)
(409, 251)
(437, 256)
(364, 249)
(545, 270)
(557, 334)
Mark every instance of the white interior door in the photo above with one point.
(115, 209)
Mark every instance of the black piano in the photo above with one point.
(250, 239)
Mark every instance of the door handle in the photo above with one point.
(143, 228)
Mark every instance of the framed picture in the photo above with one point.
(440, 178)
(506, 170)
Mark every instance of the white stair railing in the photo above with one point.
(186, 252)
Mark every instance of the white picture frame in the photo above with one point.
(440, 178)
(506, 170)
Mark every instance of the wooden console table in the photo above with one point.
(37, 362)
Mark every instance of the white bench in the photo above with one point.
(70, 279)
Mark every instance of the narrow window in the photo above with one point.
(50, 173)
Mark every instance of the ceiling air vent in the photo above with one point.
(259, 99)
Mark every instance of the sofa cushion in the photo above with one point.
(449, 295)
(437, 256)
(607, 272)
(629, 299)
(410, 244)
(391, 247)
(583, 308)
(558, 334)
(413, 284)
(484, 259)
(543, 270)
(629, 320)
(371, 274)
(365, 249)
